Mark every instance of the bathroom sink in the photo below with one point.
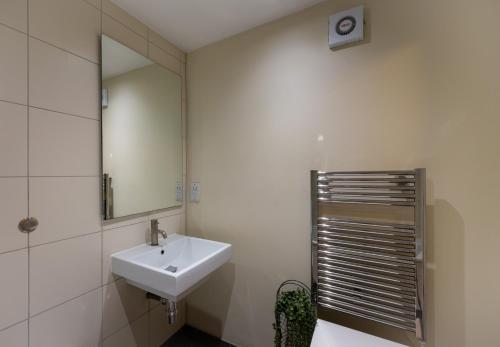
(173, 268)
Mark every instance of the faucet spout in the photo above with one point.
(155, 231)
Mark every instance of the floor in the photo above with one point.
(191, 337)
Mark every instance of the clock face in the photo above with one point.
(345, 25)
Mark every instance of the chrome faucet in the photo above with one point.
(155, 231)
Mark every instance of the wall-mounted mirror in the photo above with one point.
(141, 133)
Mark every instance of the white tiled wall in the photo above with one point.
(75, 323)
(13, 72)
(62, 145)
(15, 336)
(73, 81)
(13, 207)
(69, 24)
(74, 264)
(64, 206)
(13, 135)
(57, 288)
(132, 335)
(116, 239)
(115, 314)
(13, 14)
(14, 298)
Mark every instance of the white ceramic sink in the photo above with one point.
(172, 269)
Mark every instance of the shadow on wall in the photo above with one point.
(445, 283)
(445, 277)
(220, 284)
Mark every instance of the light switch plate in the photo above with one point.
(195, 192)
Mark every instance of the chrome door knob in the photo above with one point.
(28, 225)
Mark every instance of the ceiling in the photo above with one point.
(191, 24)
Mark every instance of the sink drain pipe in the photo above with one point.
(170, 306)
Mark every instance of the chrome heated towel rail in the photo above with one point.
(370, 268)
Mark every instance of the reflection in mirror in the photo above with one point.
(141, 133)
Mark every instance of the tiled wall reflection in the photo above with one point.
(57, 288)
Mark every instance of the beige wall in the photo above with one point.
(56, 287)
(268, 105)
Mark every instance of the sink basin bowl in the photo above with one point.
(172, 269)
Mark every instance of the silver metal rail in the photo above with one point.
(369, 268)
(107, 196)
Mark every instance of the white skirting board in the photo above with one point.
(328, 334)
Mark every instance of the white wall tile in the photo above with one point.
(66, 263)
(13, 61)
(14, 287)
(171, 224)
(65, 207)
(118, 239)
(13, 139)
(62, 145)
(168, 47)
(75, 323)
(168, 213)
(123, 17)
(63, 270)
(159, 328)
(63, 82)
(166, 60)
(69, 24)
(123, 34)
(14, 14)
(122, 304)
(15, 336)
(13, 208)
(134, 335)
(123, 223)
(95, 3)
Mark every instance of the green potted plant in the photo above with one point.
(295, 315)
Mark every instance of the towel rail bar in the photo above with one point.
(371, 268)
